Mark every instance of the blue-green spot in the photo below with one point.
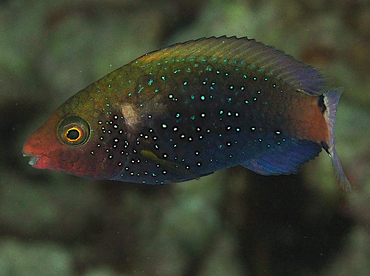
(140, 89)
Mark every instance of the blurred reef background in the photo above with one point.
(233, 222)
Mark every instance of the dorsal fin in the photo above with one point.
(300, 76)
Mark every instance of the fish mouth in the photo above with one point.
(39, 158)
(33, 160)
(38, 161)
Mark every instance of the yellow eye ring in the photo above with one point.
(74, 131)
(73, 134)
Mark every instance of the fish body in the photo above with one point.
(191, 109)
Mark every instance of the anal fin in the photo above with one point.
(284, 159)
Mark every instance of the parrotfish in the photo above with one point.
(191, 109)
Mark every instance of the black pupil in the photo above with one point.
(73, 134)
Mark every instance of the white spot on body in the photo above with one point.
(131, 116)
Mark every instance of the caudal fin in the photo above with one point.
(331, 99)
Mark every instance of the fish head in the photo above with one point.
(67, 143)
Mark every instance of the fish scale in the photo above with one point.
(191, 109)
(194, 136)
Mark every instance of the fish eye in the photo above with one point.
(73, 134)
(74, 131)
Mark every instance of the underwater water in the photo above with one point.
(233, 222)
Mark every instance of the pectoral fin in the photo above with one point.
(169, 165)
